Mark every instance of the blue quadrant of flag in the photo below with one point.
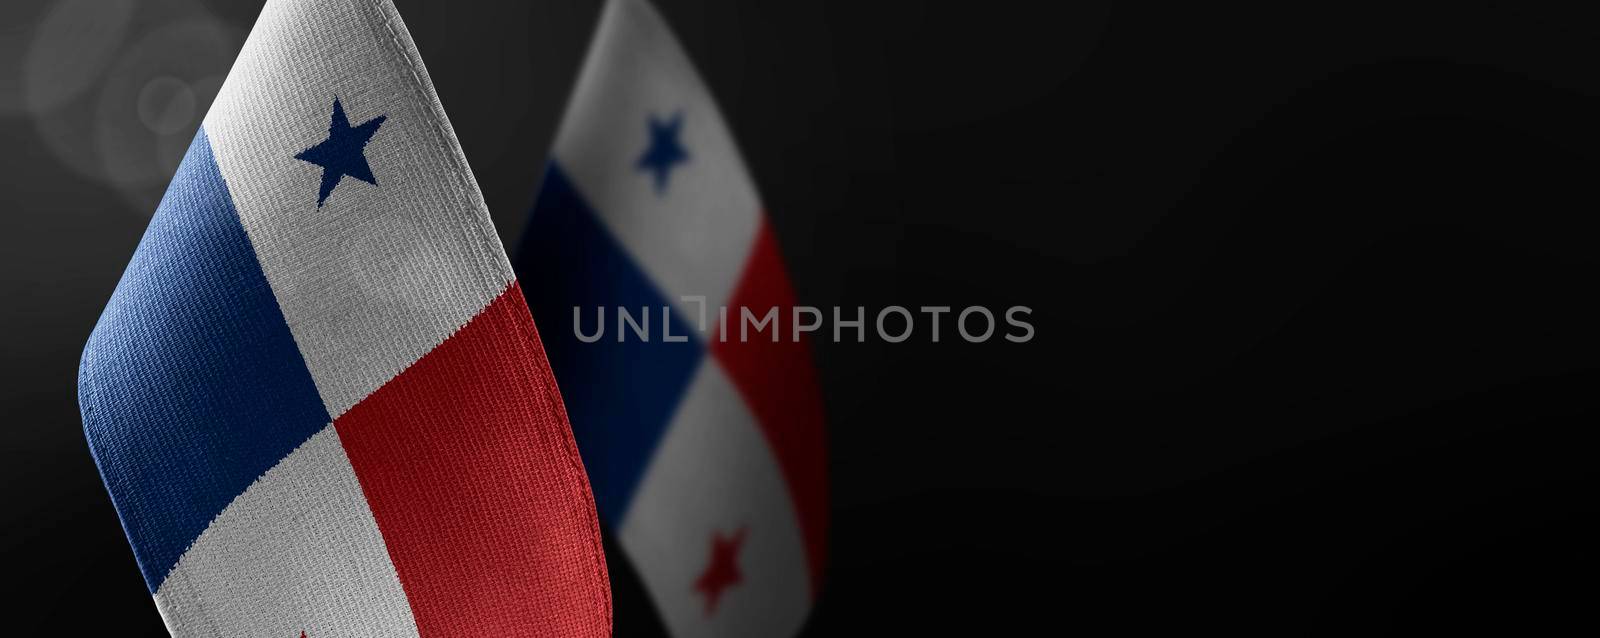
(194, 329)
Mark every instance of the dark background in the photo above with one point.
(1313, 288)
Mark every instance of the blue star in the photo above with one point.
(343, 152)
(664, 151)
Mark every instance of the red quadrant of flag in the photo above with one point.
(779, 383)
(467, 463)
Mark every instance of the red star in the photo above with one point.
(723, 572)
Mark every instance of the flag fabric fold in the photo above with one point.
(706, 454)
(316, 397)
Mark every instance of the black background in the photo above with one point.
(1313, 288)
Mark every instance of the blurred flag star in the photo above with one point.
(664, 151)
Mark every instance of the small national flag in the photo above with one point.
(706, 454)
(316, 397)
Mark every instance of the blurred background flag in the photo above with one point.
(316, 397)
(707, 454)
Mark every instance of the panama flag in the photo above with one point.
(706, 451)
(317, 397)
